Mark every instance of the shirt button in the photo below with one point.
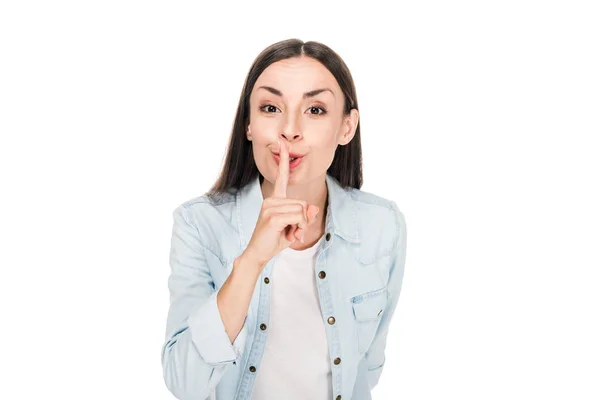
(331, 320)
(263, 327)
(252, 368)
(322, 274)
(328, 236)
(337, 361)
(267, 281)
(339, 397)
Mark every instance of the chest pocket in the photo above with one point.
(368, 308)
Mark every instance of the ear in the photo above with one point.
(248, 133)
(349, 127)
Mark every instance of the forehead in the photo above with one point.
(294, 76)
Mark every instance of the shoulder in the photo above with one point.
(380, 218)
(204, 208)
(210, 219)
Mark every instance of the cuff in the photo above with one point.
(210, 337)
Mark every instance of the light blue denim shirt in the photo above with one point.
(359, 271)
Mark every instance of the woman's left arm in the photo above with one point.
(375, 356)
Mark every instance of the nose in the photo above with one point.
(290, 138)
(291, 130)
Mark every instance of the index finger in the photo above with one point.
(283, 172)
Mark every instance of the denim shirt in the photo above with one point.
(359, 270)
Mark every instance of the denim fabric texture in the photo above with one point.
(359, 272)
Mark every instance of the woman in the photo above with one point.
(285, 275)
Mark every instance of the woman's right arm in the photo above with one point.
(203, 322)
(198, 346)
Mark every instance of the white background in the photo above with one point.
(479, 118)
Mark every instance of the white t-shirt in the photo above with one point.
(295, 363)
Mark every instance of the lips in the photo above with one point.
(292, 155)
(293, 164)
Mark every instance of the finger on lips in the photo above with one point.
(281, 182)
(283, 171)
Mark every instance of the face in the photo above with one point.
(288, 102)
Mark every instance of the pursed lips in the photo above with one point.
(292, 155)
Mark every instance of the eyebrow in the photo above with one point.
(306, 95)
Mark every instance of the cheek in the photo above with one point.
(324, 151)
(326, 142)
(263, 129)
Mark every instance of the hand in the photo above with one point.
(281, 220)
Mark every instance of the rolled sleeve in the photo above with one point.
(210, 337)
(196, 352)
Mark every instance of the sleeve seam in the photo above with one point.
(183, 212)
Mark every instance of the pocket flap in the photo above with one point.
(370, 305)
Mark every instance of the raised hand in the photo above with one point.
(281, 220)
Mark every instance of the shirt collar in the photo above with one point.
(340, 219)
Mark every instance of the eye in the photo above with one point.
(270, 108)
(316, 108)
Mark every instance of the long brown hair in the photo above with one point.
(240, 168)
